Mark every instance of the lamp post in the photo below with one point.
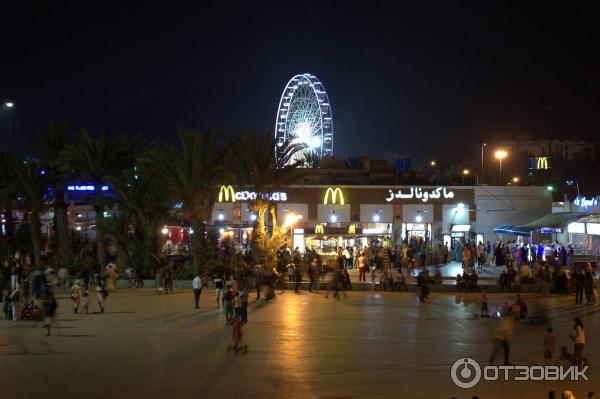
(481, 178)
(9, 105)
(500, 155)
(465, 173)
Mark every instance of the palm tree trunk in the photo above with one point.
(100, 249)
(36, 238)
(10, 228)
(198, 245)
(260, 235)
(62, 229)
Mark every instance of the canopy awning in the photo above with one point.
(551, 221)
(460, 228)
(558, 220)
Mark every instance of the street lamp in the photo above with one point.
(433, 163)
(9, 105)
(500, 155)
(516, 179)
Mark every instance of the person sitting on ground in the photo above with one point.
(459, 282)
(473, 282)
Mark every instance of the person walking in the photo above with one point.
(168, 280)
(503, 338)
(362, 267)
(549, 345)
(76, 296)
(312, 271)
(579, 278)
(101, 295)
(50, 306)
(484, 303)
(297, 278)
(588, 285)
(197, 287)
(243, 294)
(578, 337)
(218, 280)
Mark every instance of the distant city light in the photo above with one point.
(516, 179)
(9, 104)
(165, 231)
(550, 188)
(432, 163)
(466, 172)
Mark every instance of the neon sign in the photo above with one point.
(332, 195)
(420, 193)
(586, 203)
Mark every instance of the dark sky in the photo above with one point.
(421, 82)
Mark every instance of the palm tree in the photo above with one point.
(98, 160)
(32, 188)
(8, 194)
(192, 173)
(265, 167)
(49, 146)
(144, 205)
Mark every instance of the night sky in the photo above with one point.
(420, 82)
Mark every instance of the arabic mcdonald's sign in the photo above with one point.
(542, 163)
(226, 194)
(319, 229)
(333, 196)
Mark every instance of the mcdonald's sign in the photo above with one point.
(226, 194)
(542, 163)
(352, 229)
(333, 196)
(319, 229)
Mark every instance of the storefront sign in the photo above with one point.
(319, 229)
(333, 196)
(352, 229)
(586, 203)
(87, 187)
(420, 193)
(228, 194)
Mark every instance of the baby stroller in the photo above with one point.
(237, 334)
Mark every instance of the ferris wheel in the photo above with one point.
(304, 116)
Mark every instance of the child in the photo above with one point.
(237, 305)
(236, 336)
(484, 303)
(85, 301)
(549, 345)
(100, 296)
(228, 304)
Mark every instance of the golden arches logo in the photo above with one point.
(332, 195)
(319, 229)
(226, 194)
(542, 163)
(352, 229)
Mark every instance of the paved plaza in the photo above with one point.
(368, 345)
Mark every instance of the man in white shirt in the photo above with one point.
(197, 286)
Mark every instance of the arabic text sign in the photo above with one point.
(420, 193)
